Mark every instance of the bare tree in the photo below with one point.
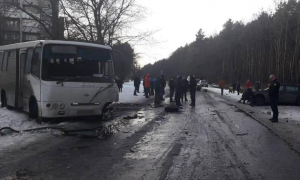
(102, 21)
(45, 13)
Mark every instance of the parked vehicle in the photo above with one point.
(199, 87)
(52, 79)
(288, 94)
(203, 83)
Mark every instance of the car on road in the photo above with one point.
(198, 85)
(288, 94)
(203, 83)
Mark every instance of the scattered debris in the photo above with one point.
(172, 108)
(269, 113)
(127, 131)
(251, 112)
(131, 117)
(242, 134)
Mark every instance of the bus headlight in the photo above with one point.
(62, 106)
(54, 106)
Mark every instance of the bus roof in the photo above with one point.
(34, 43)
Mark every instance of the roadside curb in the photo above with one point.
(268, 127)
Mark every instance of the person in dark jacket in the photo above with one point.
(233, 87)
(178, 91)
(157, 90)
(119, 84)
(257, 86)
(136, 83)
(152, 86)
(172, 88)
(163, 85)
(248, 96)
(274, 96)
(193, 85)
(238, 87)
(185, 87)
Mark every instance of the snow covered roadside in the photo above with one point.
(285, 112)
(127, 95)
(288, 128)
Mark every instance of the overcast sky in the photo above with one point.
(177, 22)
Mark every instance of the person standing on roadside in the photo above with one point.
(163, 85)
(193, 85)
(274, 97)
(238, 87)
(178, 91)
(222, 84)
(172, 88)
(147, 85)
(136, 83)
(248, 84)
(185, 87)
(152, 86)
(233, 87)
(158, 88)
(119, 84)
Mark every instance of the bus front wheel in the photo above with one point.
(33, 109)
(3, 99)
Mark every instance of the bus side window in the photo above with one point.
(36, 62)
(11, 63)
(4, 64)
(1, 58)
(28, 61)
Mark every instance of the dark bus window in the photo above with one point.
(1, 58)
(4, 64)
(36, 62)
(11, 62)
(28, 60)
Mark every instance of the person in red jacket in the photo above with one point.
(248, 84)
(147, 85)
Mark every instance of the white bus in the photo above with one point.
(50, 78)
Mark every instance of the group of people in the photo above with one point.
(248, 95)
(180, 87)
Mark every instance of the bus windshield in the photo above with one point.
(80, 63)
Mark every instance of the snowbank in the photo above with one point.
(285, 112)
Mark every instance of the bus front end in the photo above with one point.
(76, 80)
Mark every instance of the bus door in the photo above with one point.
(22, 59)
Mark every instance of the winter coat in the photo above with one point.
(137, 81)
(163, 82)
(274, 89)
(247, 94)
(172, 84)
(185, 85)
(147, 81)
(157, 84)
(119, 83)
(178, 85)
(248, 85)
(234, 85)
(152, 83)
(222, 84)
(193, 84)
(238, 86)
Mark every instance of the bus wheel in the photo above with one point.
(3, 99)
(33, 109)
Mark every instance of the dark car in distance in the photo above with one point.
(288, 94)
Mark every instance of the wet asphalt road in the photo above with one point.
(214, 140)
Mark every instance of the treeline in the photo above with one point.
(268, 44)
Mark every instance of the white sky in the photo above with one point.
(177, 22)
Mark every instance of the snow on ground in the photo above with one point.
(127, 95)
(285, 112)
(16, 119)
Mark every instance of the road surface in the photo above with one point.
(215, 140)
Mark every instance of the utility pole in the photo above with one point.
(21, 21)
